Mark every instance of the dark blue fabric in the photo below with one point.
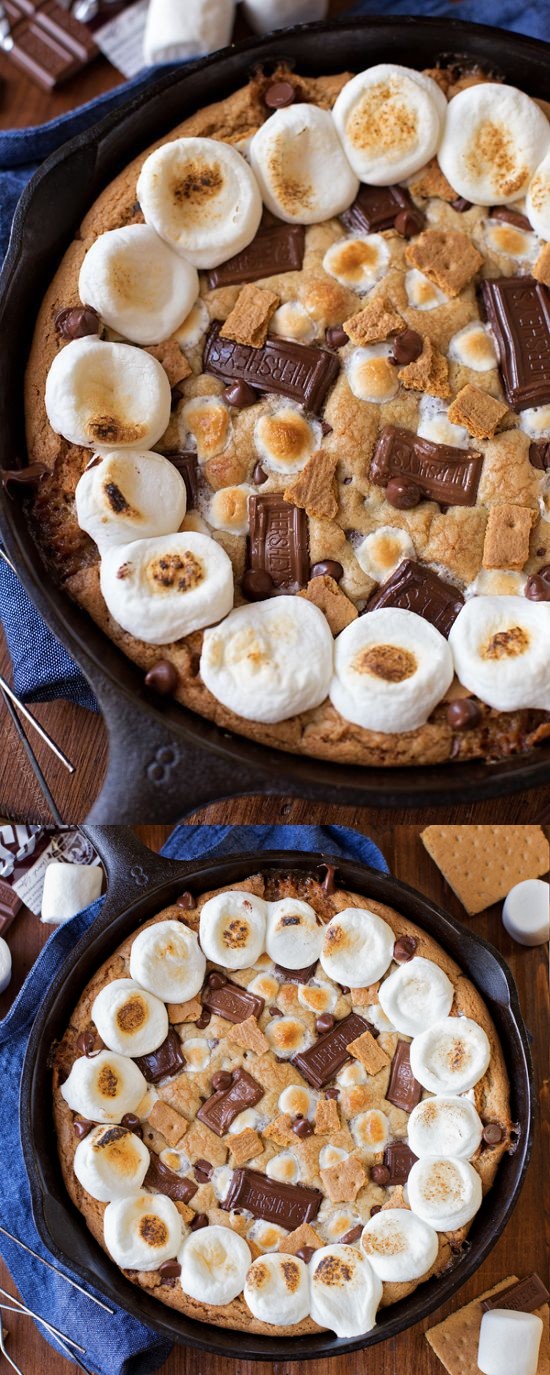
(532, 17)
(117, 1345)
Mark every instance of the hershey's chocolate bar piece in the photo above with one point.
(441, 472)
(298, 371)
(323, 1060)
(508, 215)
(399, 1160)
(164, 1181)
(221, 1109)
(186, 463)
(296, 976)
(289, 1205)
(10, 904)
(165, 1061)
(279, 248)
(375, 208)
(523, 1296)
(233, 1002)
(417, 588)
(518, 309)
(46, 42)
(278, 542)
(404, 1091)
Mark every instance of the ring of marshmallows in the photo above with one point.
(341, 1287)
(202, 203)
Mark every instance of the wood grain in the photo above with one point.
(521, 1248)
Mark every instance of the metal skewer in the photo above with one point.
(49, 1266)
(3, 554)
(33, 761)
(59, 1337)
(56, 749)
(15, 1367)
(22, 1308)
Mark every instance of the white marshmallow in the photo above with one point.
(288, 1036)
(111, 1163)
(451, 1056)
(266, 15)
(537, 204)
(370, 1131)
(167, 960)
(283, 1166)
(232, 929)
(126, 495)
(297, 1100)
(266, 986)
(104, 1087)
(294, 934)
(535, 421)
(500, 651)
(207, 422)
(508, 241)
(473, 347)
(509, 1341)
(381, 552)
(434, 424)
(142, 1231)
(318, 997)
(138, 286)
(445, 1127)
(228, 509)
(248, 1118)
(128, 1019)
(415, 995)
(391, 668)
(301, 168)
(389, 119)
(293, 321)
(494, 138)
(525, 913)
(68, 889)
(359, 262)
(201, 197)
(332, 1155)
(497, 582)
(371, 376)
(378, 1018)
(444, 1192)
(284, 438)
(277, 1289)
(196, 323)
(175, 33)
(399, 1245)
(267, 1236)
(108, 396)
(269, 661)
(5, 965)
(345, 1291)
(423, 294)
(214, 1263)
(163, 588)
(357, 947)
(355, 1073)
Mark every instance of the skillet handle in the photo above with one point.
(132, 869)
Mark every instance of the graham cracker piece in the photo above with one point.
(429, 373)
(541, 269)
(429, 181)
(174, 362)
(369, 1053)
(304, 1235)
(245, 1145)
(447, 256)
(480, 413)
(325, 593)
(343, 1181)
(374, 323)
(248, 1035)
(455, 1340)
(396, 1199)
(326, 1117)
(363, 997)
(203, 1144)
(280, 1131)
(482, 863)
(248, 322)
(507, 536)
(315, 487)
(184, 1211)
(168, 1122)
(184, 1012)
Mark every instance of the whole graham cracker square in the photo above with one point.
(480, 413)
(482, 863)
(244, 1146)
(171, 1125)
(507, 536)
(455, 1340)
(248, 322)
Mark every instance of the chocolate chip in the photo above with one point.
(463, 713)
(328, 568)
(380, 1174)
(215, 979)
(328, 884)
(23, 477)
(170, 1269)
(351, 1236)
(376, 1208)
(198, 1221)
(404, 949)
(186, 901)
(77, 321)
(279, 95)
(408, 222)
(275, 1011)
(344, 988)
(332, 1093)
(336, 337)
(204, 1019)
(537, 587)
(132, 1124)
(239, 394)
(162, 677)
(202, 1170)
(256, 585)
(259, 475)
(493, 1133)
(302, 1127)
(402, 494)
(326, 428)
(460, 204)
(406, 348)
(305, 1253)
(89, 1043)
(81, 1127)
(539, 454)
(324, 1023)
(222, 1080)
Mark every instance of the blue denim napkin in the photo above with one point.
(117, 1345)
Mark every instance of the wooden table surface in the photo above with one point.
(520, 1249)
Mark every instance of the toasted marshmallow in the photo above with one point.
(228, 509)
(371, 375)
(353, 1074)
(389, 119)
(318, 997)
(167, 960)
(497, 582)
(444, 1192)
(332, 1155)
(415, 995)
(104, 1087)
(400, 1246)
(473, 346)
(357, 947)
(371, 1130)
(380, 553)
(201, 197)
(108, 396)
(266, 1235)
(391, 669)
(535, 421)
(494, 138)
(126, 495)
(537, 204)
(128, 1019)
(434, 424)
(196, 323)
(276, 1289)
(421, 293)
(208, 426)
(177, 1161)
(142, 1231)
(293, 321)
(445, 1126)
(297, 1101)
(266, 986)
(111, 1163)
(451, 1056)
(345, 1292)
(232, 929)
(197, 1054)
(285, 439)
(294, 933)
(161, 589)
(511, 242)
(283, 1166)
(269, 661)
(287, 1036)
(500, 651)
(301, 168)
(357, 263)
(137, 284)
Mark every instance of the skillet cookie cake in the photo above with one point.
(278, 1106)
(290, 388)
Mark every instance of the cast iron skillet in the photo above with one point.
(140, 884)
(164, 759)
